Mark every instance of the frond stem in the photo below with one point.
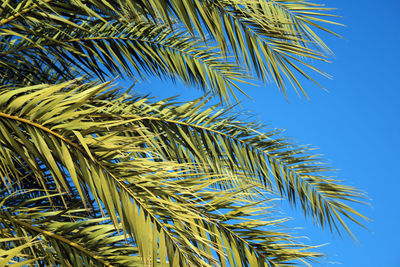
(225, 135)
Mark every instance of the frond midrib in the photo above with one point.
(238, 140)
(72, 40)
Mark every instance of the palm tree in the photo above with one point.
(94, 175)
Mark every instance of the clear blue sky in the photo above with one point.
(355, 125)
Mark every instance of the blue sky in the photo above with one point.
(355, 126)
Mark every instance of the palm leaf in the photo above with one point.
(120, 47)
(88, 147)
(13, 254)
(91, 176)
(221, 140)
(273, 38)
(64, 238)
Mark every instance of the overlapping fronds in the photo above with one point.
(186, 190)
(12, 254)
(62, 237)
(223, 140)
(119, 47)
(273, 38)
(90, 176)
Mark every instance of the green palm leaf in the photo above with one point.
(63, 237)
(87, 147)
(135, 49)
(219, 140)
(273, 38)
(93, 176)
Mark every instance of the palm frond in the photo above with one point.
(63, 237)
(93, 176)
(119, 46)
(273, 38)
(13, 254)
(167, 207)
(223, 140)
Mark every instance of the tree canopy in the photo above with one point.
(97, 175)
